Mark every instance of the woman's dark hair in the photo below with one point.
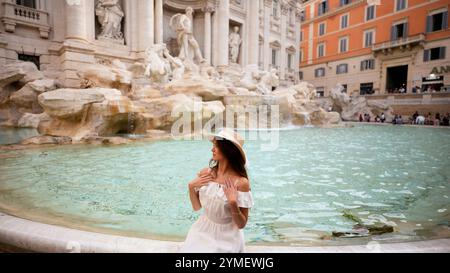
(233, 155)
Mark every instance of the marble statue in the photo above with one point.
(268, 80)
(235, 44)
(249, 78)
(178, 67)
(157, 66)
(109, 14)
(189, 48)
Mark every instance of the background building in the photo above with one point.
(65, 35)
(375, 46)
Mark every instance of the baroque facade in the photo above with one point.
(376, 46)
(63, 36)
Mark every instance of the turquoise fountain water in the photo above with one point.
(381, 174)
(13, 136)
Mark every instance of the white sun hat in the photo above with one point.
(234, 137)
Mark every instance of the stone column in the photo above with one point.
(298, 28)
(223, 29)
(146, 30)
(207, 35)
(283, 29)
(76, 27)
(253, 32)
(267, 51)
(159, 35)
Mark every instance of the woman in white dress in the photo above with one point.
(223, 191)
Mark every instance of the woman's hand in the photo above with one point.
(230, 190)
(200, 181)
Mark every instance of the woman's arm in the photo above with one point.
(239, 215)
(195, 198)
(203, 177)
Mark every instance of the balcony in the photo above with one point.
(13, 15)
(402, 43)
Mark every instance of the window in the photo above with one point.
(366, 88)
(30, 58)
(275, 8)
(301, 36)
(289, 61)
(291, 16)
(321, 50)
(343, 44)
(344, 21)
(274, 57)
(320, 91)
(400, 5)
(319, 72)
(368, 64)
(301, 55)
(321, 29)
(27, 3)
(437, 53)
(345, 88)
(342, 69)
(399, 31)
(370, 13)
(438, 21)
(344, 2)
(368, 38)
(323, 7)
(300, 75)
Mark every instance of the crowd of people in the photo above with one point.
(416, 119)
(401, 90)
(436, 120)
(367, 118)
(417, 90)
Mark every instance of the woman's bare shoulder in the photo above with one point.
(243, 185)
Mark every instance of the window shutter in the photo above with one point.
(426, 55)
(429, 23)
(405, 30)
(442, 52)
(362, 66)
(393, 33)
(445, 20)
(401, 4)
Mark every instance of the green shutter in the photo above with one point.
(426, 55)
(442, 53)
(445, 20)
(429, 24)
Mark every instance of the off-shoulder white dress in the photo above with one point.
(215, 231)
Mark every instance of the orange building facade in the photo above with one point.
(376, 46)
